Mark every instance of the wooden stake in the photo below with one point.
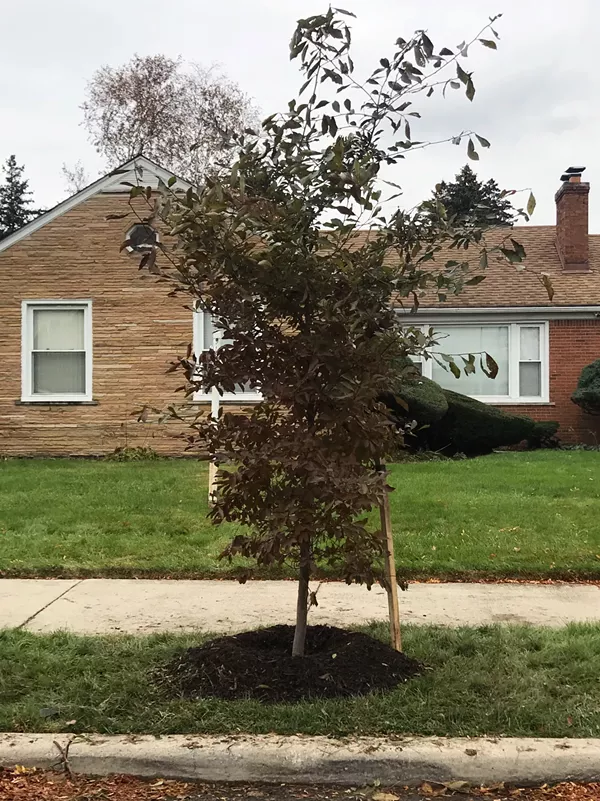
(390, 569)
(212, 467)
(212, 475)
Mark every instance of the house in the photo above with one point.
(86, 337)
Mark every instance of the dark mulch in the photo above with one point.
(258, 664)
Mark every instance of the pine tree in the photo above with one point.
(15, 200)
(481, 203)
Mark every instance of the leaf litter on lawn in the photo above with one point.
(29, 784)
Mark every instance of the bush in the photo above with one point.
(587, 394)
(474, 428)
(132, 455)
(451, 423)
(424, 398)
(544, 435)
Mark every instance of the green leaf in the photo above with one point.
(482, 141)
(332, 126)
(461, 74)
(519, 249)
(470, 90)
(489, 43)
(172, 180)
(483, 260)
(469, 364)
(336, 106)
(343, 11)
(471, 152)
(454, 369)
(477, 279)
(531, 204)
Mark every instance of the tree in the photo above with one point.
(468, 197)
(15, 199)
(294, 255)
(183, 118)
(76, 177)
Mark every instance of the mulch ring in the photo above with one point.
(28, 784)
(258, 664)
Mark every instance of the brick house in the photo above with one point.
(86, 337)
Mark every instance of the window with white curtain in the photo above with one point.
(56, 351)
(519, 349)
(206, 337)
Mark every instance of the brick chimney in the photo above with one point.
(572, 240)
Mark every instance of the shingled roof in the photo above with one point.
(505, 286)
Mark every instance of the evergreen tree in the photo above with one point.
(482, 203)
(15, 200)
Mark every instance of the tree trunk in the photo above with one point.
(302, 603)
(390, 565)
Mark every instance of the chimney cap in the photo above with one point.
(572, 172)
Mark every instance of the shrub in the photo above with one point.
(544, 435)
(587, 394)
(474, 428)
(424, 398)
(132, 455)
(452, 423)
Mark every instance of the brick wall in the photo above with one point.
(137, 331)
(573, 345)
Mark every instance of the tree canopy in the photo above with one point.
(180, 115)
(15, 199)
(467, 197)
(296, 252)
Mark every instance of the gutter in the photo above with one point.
(520, 312)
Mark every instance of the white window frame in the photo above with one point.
(514, 359)
(199, 346)
(27, 309)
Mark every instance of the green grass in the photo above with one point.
(510, 514)
(516, 681)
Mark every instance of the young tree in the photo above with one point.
(467, 197)
(15, 199)
(182, 117)
(295, 256)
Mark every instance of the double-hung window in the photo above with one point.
(56, 351)
(519, 349)
(206, 337)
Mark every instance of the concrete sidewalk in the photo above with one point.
(98, 606)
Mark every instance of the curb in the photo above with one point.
(307, 760)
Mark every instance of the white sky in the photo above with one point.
(537, 96)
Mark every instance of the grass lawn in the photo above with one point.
(510, 514)
(516, 681)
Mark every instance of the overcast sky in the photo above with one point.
(537, 96)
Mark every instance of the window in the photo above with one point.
(56, 351)
(519, 349)
(207, 336)
(142, 238)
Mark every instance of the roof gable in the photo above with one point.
(139, 170)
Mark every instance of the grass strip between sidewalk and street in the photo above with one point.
(514, 681)
(532, 514)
